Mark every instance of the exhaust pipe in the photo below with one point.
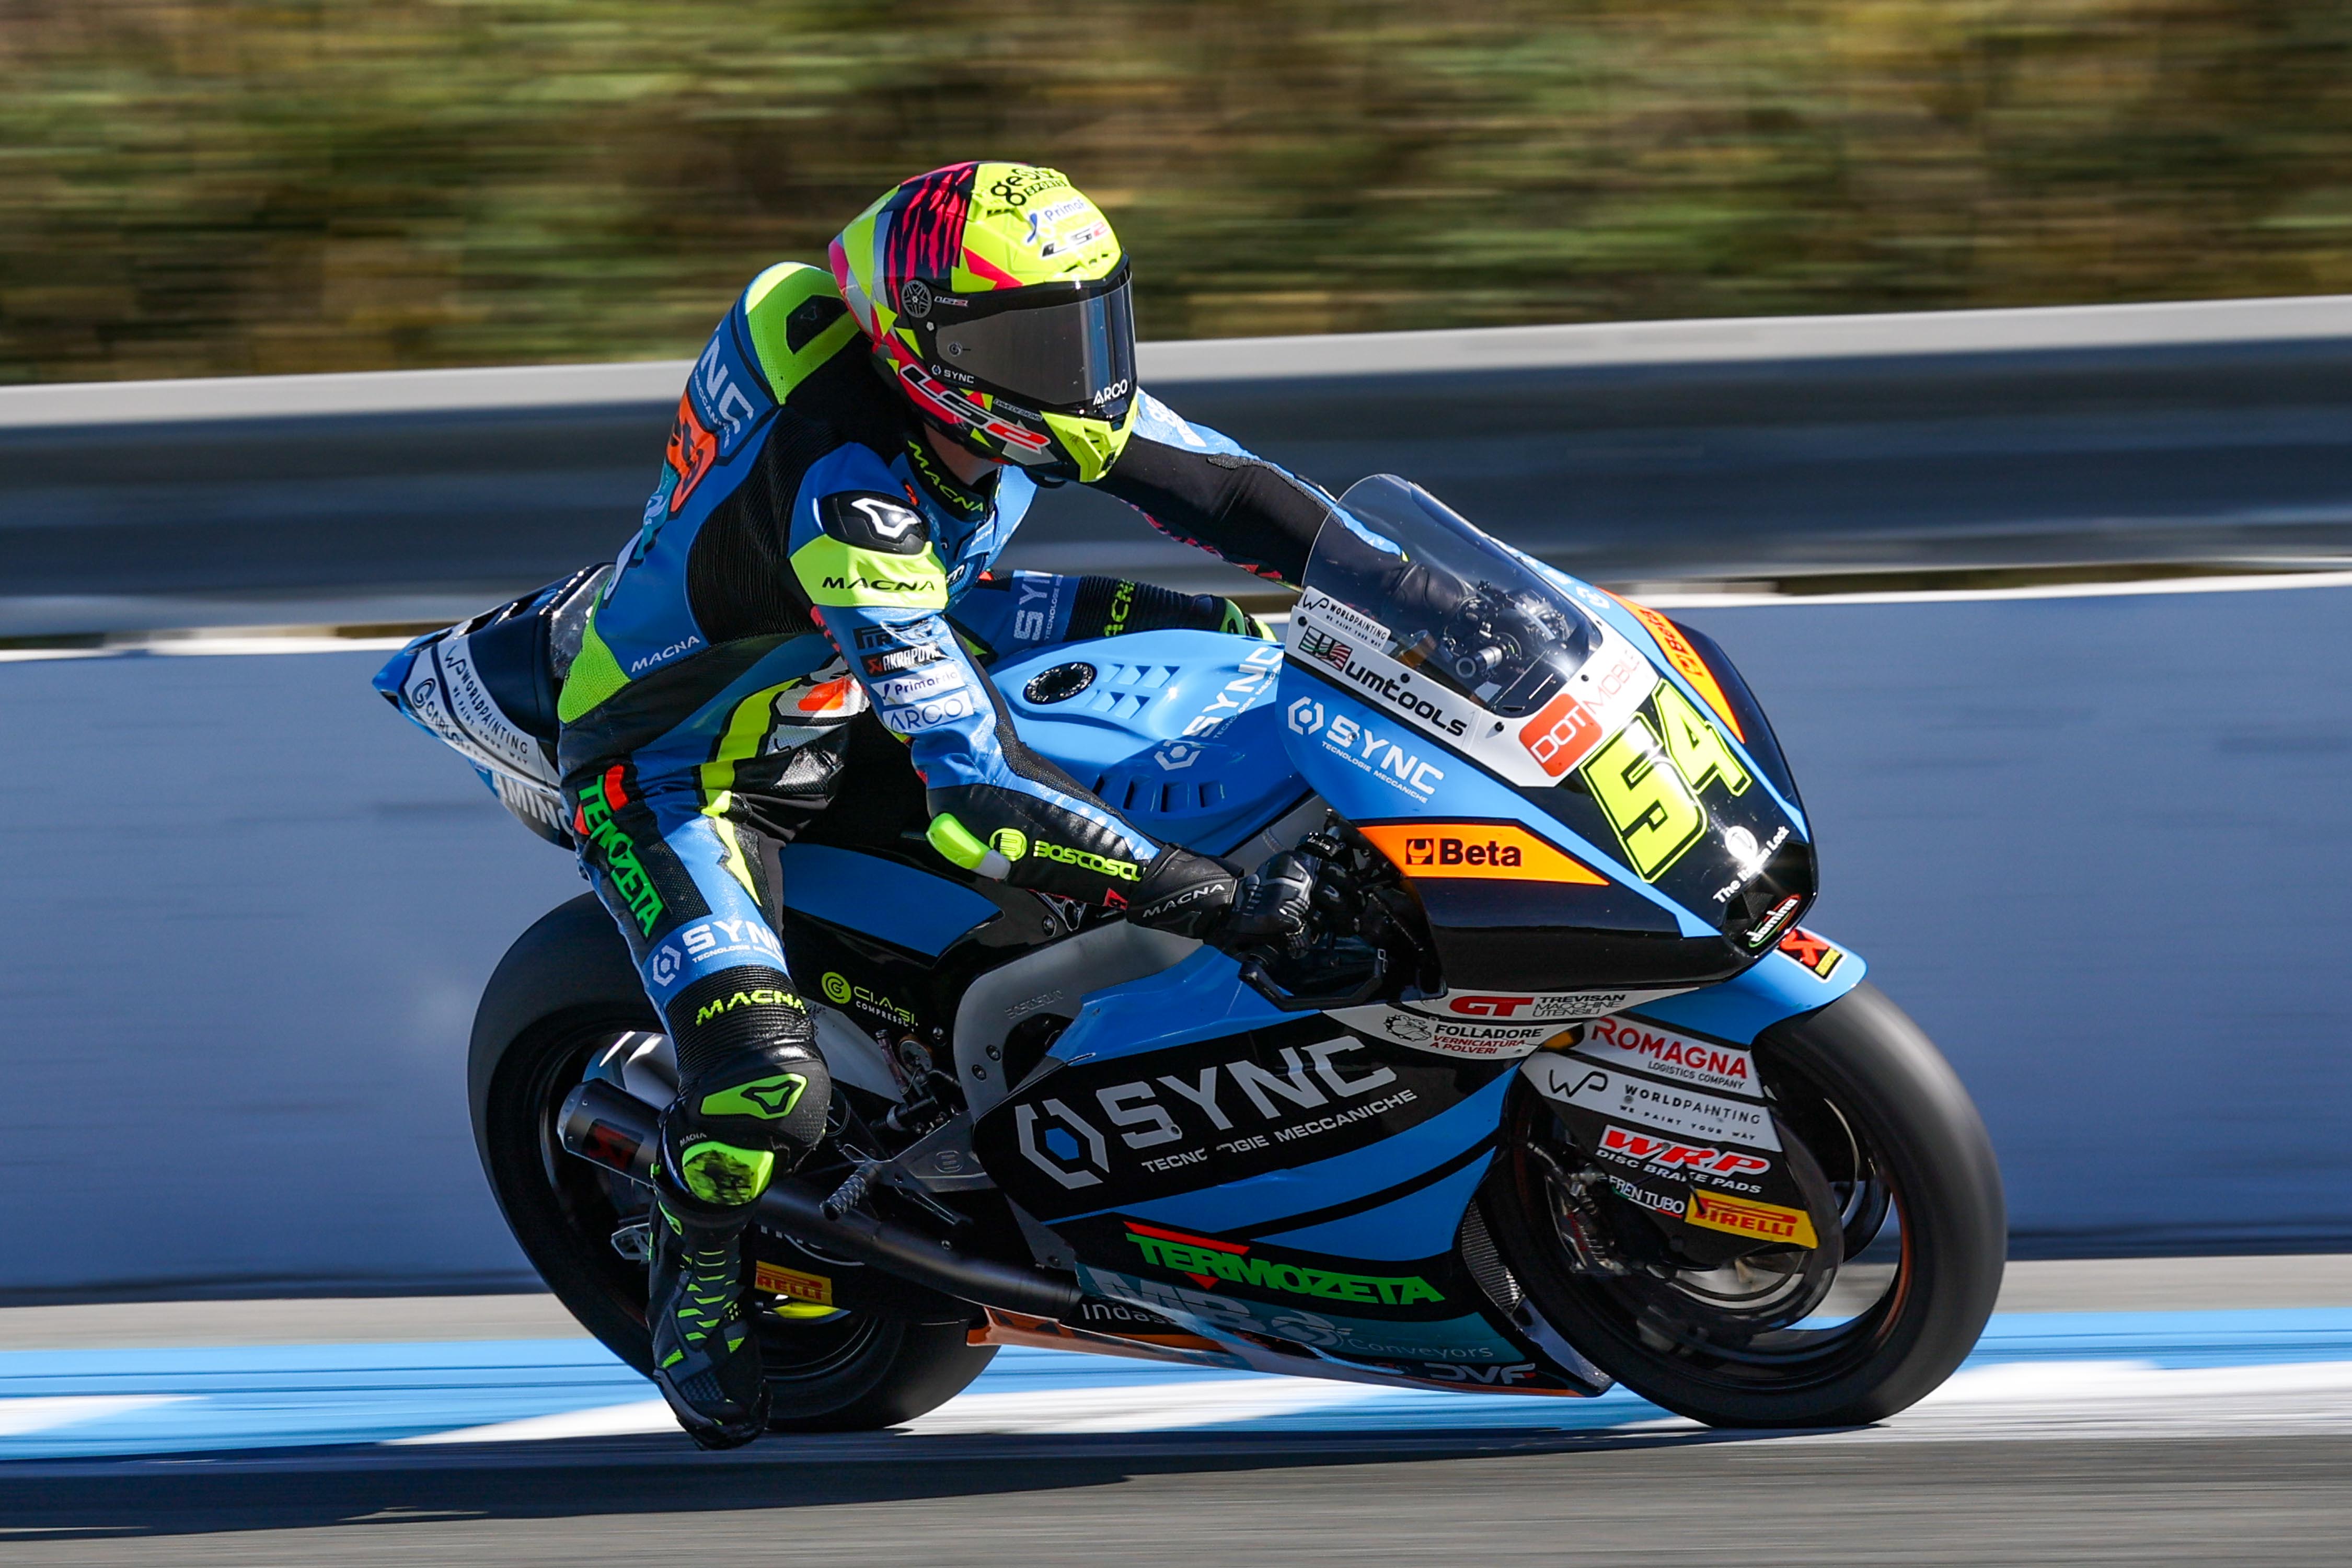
(609, 1128)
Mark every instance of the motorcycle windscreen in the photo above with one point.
(1655, 853)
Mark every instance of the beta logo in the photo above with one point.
(1496, 851)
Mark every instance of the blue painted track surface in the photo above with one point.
(126, 1403)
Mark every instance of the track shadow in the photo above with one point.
(156, 1497)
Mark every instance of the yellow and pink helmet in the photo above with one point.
(996, 299)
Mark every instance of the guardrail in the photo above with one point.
(1724, 448)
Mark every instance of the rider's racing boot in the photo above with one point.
(706, 1354)
(752, 1102)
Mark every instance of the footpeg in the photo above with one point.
(635, 1242)
(851, 1195)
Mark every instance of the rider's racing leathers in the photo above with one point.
(806, 555)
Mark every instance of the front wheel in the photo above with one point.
(1865, 1325)
(564, 993)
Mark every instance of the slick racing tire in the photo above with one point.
(564, 991)
(1906, 1161)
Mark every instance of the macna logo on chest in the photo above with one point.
(639, 665)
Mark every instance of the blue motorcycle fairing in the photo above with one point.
(1402, 1228)
(1189, 1086)
(1606, 606)
(886, 899)
(1174, 730)
(1466, 1338)
(1278, 1203)
(1779, 986)
(1476, 661)
(1397, 772)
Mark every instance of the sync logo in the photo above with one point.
(1259, 667)
(1227, 1097)
(1366, 748)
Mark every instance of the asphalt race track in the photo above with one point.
(1469, 1498)
(2186, 1427)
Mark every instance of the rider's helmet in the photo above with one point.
(996, 300)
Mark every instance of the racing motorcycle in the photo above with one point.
(1557, 1092)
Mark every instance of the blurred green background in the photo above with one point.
(220, 188)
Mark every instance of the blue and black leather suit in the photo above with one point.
(805, 557)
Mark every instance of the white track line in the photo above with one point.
(2031, 1401)
(2038, 1400)
(20, 1417)
(634, 1419)
(1149, 1407)
(1667, 598)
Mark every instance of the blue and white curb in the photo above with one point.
(2044, 1376)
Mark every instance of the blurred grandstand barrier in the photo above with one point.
(2216, 433)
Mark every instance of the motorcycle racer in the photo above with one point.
(853, 450)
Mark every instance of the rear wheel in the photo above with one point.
(554, 1003)
(1880, 1134)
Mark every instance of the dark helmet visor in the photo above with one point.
(1075, 354)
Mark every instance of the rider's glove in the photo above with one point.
(1182, 892)
(1270, 912)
